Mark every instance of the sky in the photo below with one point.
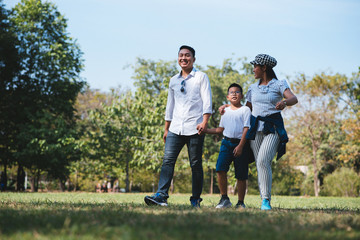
(305, 36)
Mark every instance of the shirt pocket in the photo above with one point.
(195, 93)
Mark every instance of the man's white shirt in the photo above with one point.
(185, 109)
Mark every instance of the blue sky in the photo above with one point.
(305, 36)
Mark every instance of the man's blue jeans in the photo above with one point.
(173, 145)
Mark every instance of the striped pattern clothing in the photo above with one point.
(264, 148)
(263, 99)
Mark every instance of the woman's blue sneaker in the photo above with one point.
(265, 205)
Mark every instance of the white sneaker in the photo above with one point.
(224, 203)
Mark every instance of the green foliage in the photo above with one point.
(342, 182)
(41, 133)
(153, 77)
(119, 134)
(286, 181)
(9, 69)
(137, 119)
(315, 126)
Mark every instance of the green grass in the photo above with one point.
(124, 216)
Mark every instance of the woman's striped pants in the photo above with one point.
(264, 148)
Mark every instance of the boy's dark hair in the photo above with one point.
(188, 48)
(235, 85)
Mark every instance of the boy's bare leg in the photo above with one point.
(222, 180)
(241, 189)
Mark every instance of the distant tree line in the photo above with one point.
(60, 133)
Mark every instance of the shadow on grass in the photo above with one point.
(116, 220)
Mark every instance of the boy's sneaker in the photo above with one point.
(195, 202)
(155, 199)
(224, 203)
(265, 205)
(240, 205)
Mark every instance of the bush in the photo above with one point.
(307, 186)
(287, 181)
(343, 182)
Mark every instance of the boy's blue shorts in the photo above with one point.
(226, 156)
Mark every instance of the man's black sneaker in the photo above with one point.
(155, 199)
(195, 202)
(240, 205)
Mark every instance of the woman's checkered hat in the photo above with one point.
(264, 59)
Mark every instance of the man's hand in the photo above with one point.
(237, 151)
(202, 128)
(167, 126)
(165, 135)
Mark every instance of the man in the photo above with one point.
(188, 110)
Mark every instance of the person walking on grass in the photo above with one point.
(188, 109)
(267, 98)
(234, 124)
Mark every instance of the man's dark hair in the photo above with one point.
(235, 85)
(188, 48)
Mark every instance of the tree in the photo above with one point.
(9, 69)
(45, 90)
(350, 149)
(153, 77)
(315, 125)
(128, 134)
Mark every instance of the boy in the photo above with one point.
(234, 125)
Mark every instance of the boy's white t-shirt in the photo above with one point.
(234, 121)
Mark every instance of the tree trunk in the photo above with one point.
(127, 178)
(37, 181)
(3, 178)
(76, 181)
(20, 179)
(69, 184)
(316, 173)
(32, 183)
(172, 186)
(211, 181)
(62, 185)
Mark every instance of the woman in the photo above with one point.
(266, 98)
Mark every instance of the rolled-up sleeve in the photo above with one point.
(283, 85)
(248, 95)
(206, 95)
(170, 105)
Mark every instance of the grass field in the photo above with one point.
(125, 216)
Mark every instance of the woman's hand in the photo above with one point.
(280, 105)
(290, 100)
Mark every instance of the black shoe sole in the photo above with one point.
(151, 202)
